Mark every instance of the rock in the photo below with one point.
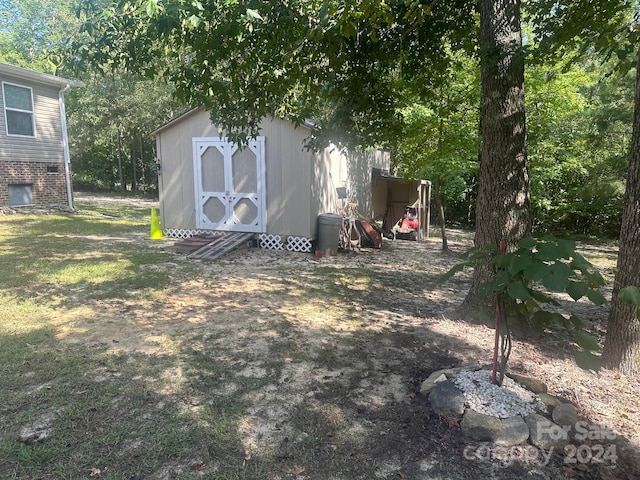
(452, 372)
(514, 431)
(487, 428)
(429, 383)
(479, 426)
(566, 416)
(530, 383)
(447, 399)
(545, 434)
(550, 400)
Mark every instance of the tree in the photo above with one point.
(111, 118)
(348, 65)
(503, 204)
(440, 138)
(111, 121)
(622, 343)
(33, 32)
(609, 28)
(578, 126)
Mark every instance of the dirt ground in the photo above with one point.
(350, 338)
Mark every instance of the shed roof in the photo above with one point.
(38, 77)
(310, 124)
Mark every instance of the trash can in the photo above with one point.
(329, 232)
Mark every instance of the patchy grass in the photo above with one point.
(133, 364)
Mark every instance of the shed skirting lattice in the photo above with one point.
(294, 244)
(265, 240)
(183, 233)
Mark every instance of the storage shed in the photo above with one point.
(275, 187)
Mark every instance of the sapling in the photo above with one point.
(520, 285)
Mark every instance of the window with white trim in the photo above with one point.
(18, 110)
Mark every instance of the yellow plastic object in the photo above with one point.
(156, 229)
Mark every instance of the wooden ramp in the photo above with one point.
(211, 246)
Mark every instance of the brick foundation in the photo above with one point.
(47, 188)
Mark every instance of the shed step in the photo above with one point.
(221, 245)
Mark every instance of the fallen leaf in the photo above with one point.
(94, 472)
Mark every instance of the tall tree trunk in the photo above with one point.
(134, 167)
(438, 181)
(143, 178)
(622, 343)
(503, 203)
(123, 185)
(437, 185)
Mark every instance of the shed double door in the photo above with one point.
(229, 185)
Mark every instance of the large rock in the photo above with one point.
(550, 400)
(447, 399)
(487, 428)
(532, 384)
(566, 416)
(436, 377)
(544, 433)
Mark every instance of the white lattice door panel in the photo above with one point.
(229, 185)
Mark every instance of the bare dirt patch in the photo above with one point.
(327, 356)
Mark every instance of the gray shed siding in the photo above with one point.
(47, 145)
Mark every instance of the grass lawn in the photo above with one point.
(120, 361)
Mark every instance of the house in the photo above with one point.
(275, 187)
(34, 151)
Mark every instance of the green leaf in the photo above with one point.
(566, 248)
(527, 243)
(630, 295)
(595, 278)
(501, 260)
(446, 276)
(578, 262)
(588, 361)
(518, 291)
(547, 252)
(568, 324)
(541, 297)
(554, 281)
(586, 341)
(520, 263)
(577, 323)
(151, 7)
(596, 297)
(577, 290)
(536, 271)
(195, 21)
(251, 13)
(502, 281)
(542, 319)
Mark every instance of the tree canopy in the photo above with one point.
(348, 65)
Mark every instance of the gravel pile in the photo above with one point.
(507, 401)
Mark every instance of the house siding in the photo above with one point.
(27, 160)
(47, 144)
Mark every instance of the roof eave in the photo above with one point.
(39, 77)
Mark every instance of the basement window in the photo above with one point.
(20, 195)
